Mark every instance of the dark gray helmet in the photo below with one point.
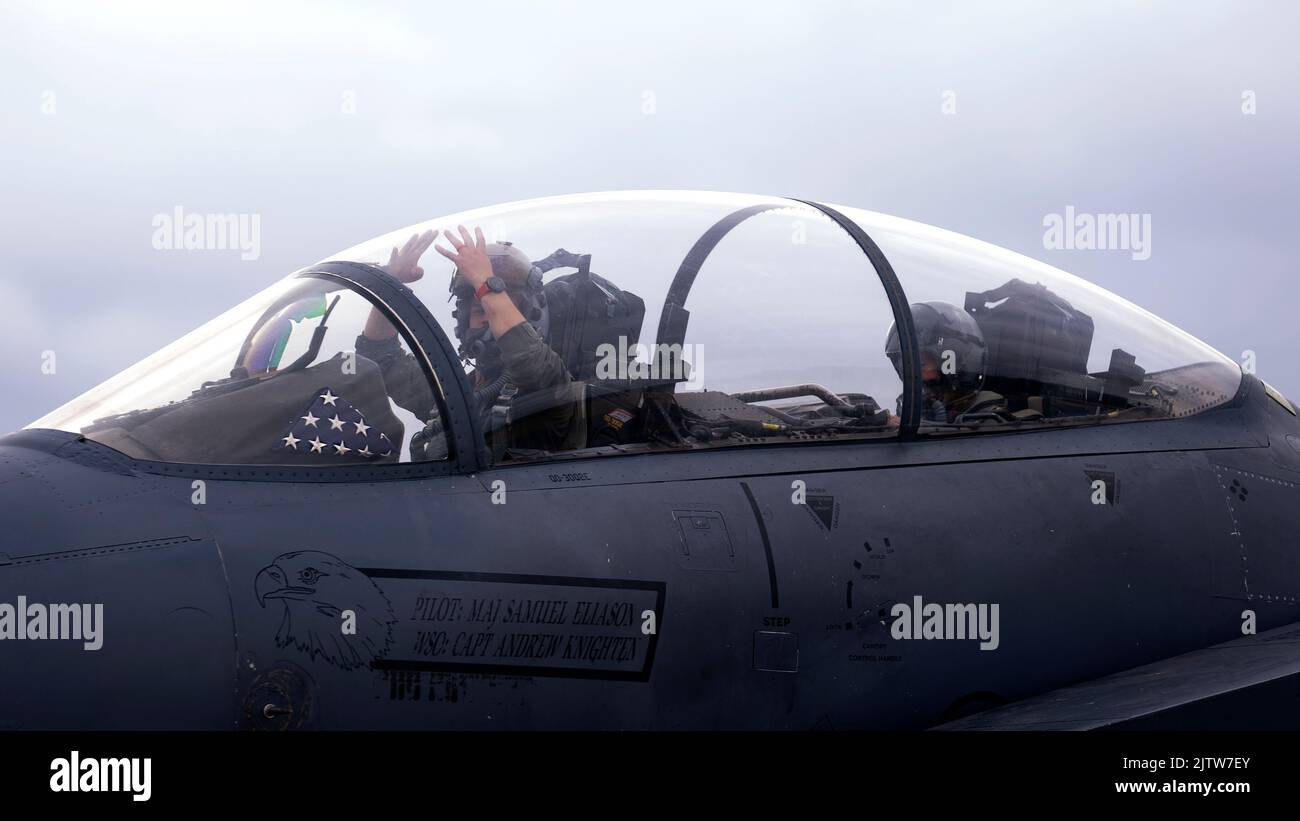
(524, 285)
(943, 327)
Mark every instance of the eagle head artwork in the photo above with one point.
(316, 588)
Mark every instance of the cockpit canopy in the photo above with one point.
(673, 321)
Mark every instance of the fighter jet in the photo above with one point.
(659, 460)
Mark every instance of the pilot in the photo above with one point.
(953, 356)
(494, 284)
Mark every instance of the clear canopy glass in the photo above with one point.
(656, 321)
(273, 381)
(785, 317)
(1053, 348)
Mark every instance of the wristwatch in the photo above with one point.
(493, 285)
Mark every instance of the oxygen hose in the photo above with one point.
(490, 391)
(429, 440)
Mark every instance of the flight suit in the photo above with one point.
(547, 412)
(935, 409)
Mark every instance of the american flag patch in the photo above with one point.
(331, 427)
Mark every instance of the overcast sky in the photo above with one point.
(337, 122)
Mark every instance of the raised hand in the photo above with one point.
(404, 264)
(470, 256)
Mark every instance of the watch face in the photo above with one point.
(496, 284)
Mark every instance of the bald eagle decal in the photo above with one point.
(315, 589)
